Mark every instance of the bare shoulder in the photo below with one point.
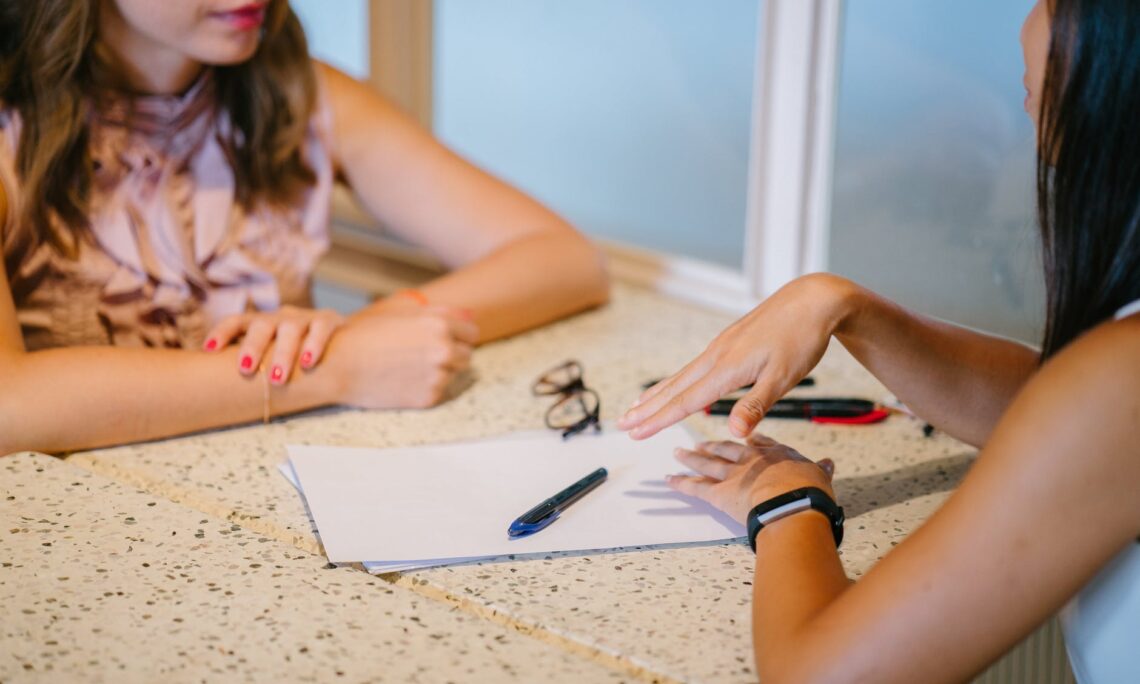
(1107, 358)
(334, 79)
(1093, 379)
(350, 98)
(1083, 406)
(365, 123)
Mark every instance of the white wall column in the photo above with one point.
(791, 148)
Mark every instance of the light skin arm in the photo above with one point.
(111, 395)
(958, 379)
(63, 399)
(83, 397)
(516, 264)
(1051, 502)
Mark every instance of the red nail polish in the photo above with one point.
(211, 344)
(246, 362)
(307, 359)
(277, 374)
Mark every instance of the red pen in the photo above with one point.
(834, 410)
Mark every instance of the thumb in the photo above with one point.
(828, 466)
(748, 411)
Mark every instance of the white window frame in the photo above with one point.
(793, 133)
(788, 209)
(400, 61)
(789, 174)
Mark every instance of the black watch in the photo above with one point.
(803, 499)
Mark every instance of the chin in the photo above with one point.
(229, 52)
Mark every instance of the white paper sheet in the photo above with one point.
(381, 567)
(374, 567)
(440, 504)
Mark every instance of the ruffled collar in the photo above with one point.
(172, 125)
(170, 250)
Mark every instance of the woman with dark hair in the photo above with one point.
(1049, 517)
(166, 171)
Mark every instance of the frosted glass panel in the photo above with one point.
(337, 31)
(933, 194)
(629, 118)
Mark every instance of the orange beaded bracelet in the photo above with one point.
(414, 295)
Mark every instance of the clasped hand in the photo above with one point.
(296, 336)
(389, 355)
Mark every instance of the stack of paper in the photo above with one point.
(408, 508)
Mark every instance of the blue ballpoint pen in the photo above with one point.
(548, 511)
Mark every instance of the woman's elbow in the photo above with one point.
(598, 277)
(13, 407)
(9, 424)
(590, 269)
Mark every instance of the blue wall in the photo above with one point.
(933, 195)
(629, 118)
(337, 31)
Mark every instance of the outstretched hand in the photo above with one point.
(772, 348)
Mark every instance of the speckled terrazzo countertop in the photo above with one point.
(251, 589)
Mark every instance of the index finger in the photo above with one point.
(681, 379)
(225, 331)
(666, 391)
(699, 395)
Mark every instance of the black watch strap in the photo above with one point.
(802, 499)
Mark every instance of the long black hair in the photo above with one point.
(1088, 166)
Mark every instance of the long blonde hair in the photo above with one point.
(51, 66)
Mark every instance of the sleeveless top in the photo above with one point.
(170, 251)
(1102, 622)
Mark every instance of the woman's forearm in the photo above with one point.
(798, 575)
(957, 379)
(85, 397)
(516, 264)
(532, 281)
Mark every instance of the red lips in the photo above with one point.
(243, 18)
